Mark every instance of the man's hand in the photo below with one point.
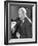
(17, 34)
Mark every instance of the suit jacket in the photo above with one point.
(25, 29)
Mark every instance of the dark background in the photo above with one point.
(14, 12)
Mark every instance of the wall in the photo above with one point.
(2, 25)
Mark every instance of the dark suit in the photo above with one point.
(25, 29)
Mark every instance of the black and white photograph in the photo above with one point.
(20, 18)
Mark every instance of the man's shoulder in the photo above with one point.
(27, 22)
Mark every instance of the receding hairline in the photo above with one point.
(22, 8)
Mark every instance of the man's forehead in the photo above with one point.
(21, 11)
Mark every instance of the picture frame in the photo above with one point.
(7, 21)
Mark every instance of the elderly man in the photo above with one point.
(24, 25)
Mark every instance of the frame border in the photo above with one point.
(6, 10)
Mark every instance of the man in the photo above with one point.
(24, 25)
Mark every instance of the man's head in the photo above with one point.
(22, 13)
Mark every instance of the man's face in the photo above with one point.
(21, 14)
